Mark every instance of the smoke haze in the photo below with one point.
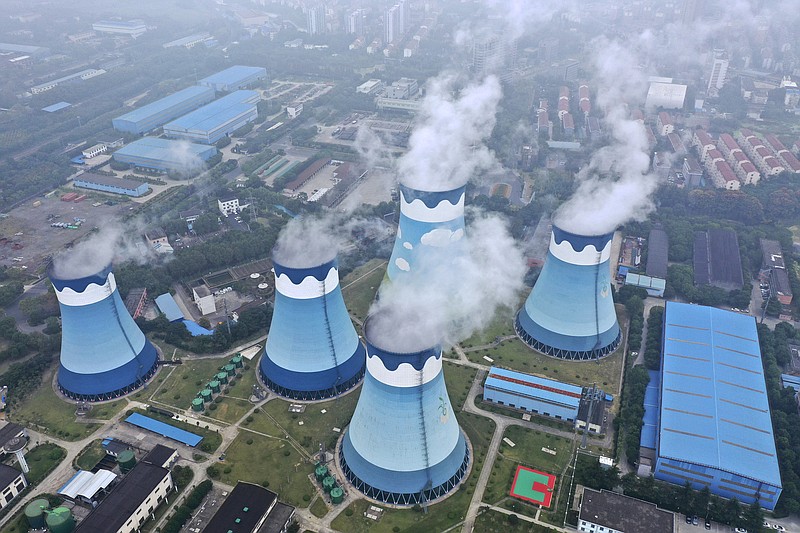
(450, 297)
(446, 146)
(114, 243)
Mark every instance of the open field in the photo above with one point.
(263, 460)
(45, 411)
(359, 287)
(228, 410)
(458, 380)
(42, 460)
(186, 380)
(496, 522)
(319, 508)
(447, 513)
(92, 454)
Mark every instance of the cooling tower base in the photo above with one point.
(560, 353)
(404, 498)
(311, 395)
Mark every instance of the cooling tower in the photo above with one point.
(403, 445)
(104, 354)
(313, 350)
(570, 312)
(427, 219)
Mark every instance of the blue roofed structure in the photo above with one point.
(167, 305)
(167, 430)
(715, 428)
(213, 121)
(235, 77)
(532, 393)
(790, 381)
(651, 408)
(165, 155)
(158, 113)
(56, 107)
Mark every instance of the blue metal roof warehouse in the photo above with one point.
(158, 113)
(714, 425)
(111, 184)
(164, 155)
(235, 77)
(213, 121)
(162, 428)
(532, 393)
(166, 304)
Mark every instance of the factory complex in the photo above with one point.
(233, 78)
(164, 155)
(214, 121)
(711, 419)
(158, 113)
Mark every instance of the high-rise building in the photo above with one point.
(392, 24)
(492, 54)
(354, 23)
(689, 12)
(315, 20)
(717, 71)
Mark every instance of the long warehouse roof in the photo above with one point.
(163, 149)
(167, 102)
(714, 407)
(533, 386)
(232, 75)
(216, 113)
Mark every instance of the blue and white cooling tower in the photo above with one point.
(104, 354)
(403, 445)
(313, 350)
(433, 220)
(570, 312)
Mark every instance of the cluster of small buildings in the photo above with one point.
(654, 277)
(742, 159)
(401, 95)
(775, 277)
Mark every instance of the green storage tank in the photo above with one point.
(320, 472)
(34, 513)
(236, 361)
(328, 483)
(126, 460)
(222, 377)
(337, 494)
(229, 369)
(205, 394)
(60, 520)
(214, 386)
(197, 404)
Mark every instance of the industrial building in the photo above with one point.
(610, 512)
(717, 260)
(132, 502)
(428, 221)
(165, 155)
(532, 393)
(570, 312)
(312, 350)
(665, 96)
(714, 426)
(104, 354)
(214, 121)
(653, 286)
(131, 28)
(12, 482)
(38, 52)
(233, 78)
(403, 445)
(52, 84)
(657, 253)
(96, 182)
(250, 508)
(87, 487)
(158, 113)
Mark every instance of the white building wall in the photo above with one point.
(147, 507)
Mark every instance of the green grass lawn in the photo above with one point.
(319, 508)
(228, 410)
(243, 387)
(501, 326)
(46, 412)
(496, 522)
(211, 439)
(358, 295)
(42, 460)
(92, 454)
(266, 460)
(442, 515)
(458, 379)
(185, 381)
(317, 426)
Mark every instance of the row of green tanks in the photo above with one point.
(42, 518)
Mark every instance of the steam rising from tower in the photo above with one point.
(104, 354)
(570, 312)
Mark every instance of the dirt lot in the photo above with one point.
(39, 241)
(376, 188)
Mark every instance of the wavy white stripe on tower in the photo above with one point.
(91, 295)
(444, 211)
(406, 375)
(309, 288)
(586, 257)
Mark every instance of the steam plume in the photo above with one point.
(113, 243)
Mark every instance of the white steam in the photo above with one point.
(617, 184)
(189, 163)
(446, 147)
(448, 298)
(114, 243)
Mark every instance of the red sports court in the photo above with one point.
(533, 486)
